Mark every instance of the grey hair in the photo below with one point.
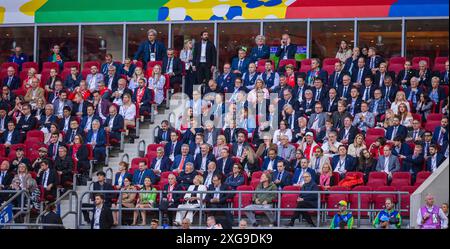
(258, 37)
(152, 31)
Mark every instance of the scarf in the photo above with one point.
(325, 179)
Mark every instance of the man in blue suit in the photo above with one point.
(11, 135)
(435, 159)
(173, 147)
(172, 66)
(389, 90)
(360, 72)
(27, 121)
(143, 172)
(161, 163)
(203, 158)
(11, 81)
(286, 50)
(163, 133)
(261, 51)
(108, 63)
(150, 50)
(440, 134)
(281, 177)
(226, 79)
(112, 78)
(225, 163)
(413, 91)
(343, 163)
(114, 123)
(86, 122)
(48, 118)
(271, 160)
(335, 79)
(97, 138)
(400, 148)
(298, 179)
(239, 65)
(396, 130)
(373, 60)
(180, 161)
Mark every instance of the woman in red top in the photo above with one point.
(376, 148)
(79, 153)
(290, 75)
(83, 89)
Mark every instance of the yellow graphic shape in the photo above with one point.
(2, 14)
(31, 7)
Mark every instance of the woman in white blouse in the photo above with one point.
(156, 83)
(344, 52)
(406, 118)
(134, 81)
(128, 112)
(282, 131)
(193, 200)
(400, 98)
(259, 87)
(357, 146)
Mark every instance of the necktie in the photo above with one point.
(168, 64)
(240, 65)
(387, 92)
(345, 91)
(172, 148)
(54, 149)
(381, 80)
(414, 97)
(336, 76)
(366, 94)
(414, 135)
(165, 135)
(280, 174)
(372, 62)
(180, 167)
(406, 74)
(440, 138)
(9, 81)
(317, 95)
(317, 163)
(73, 135)
(359, 75)
(140, 177)
(394, 132)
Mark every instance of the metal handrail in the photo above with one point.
(127, 156)
(22, 193)
(276, 205)
(72, 194)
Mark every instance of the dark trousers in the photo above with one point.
(203, 73)
(304, 204)
(189, 81)
(226, 223)
(175, 83)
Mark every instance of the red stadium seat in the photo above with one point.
(30, 64)
(5, 65)
(365, 199)
(336, 176)
(379, 132)
(434, 117)
(439, 64)
(305, 65)
(246, 198)
(151, 64)
(138, 64)
(50, 65)
(2, 151)
(379, 199)
(85, 72)
(286, 62)
(256, 175)
(69, 64)
(430, 125)
(89, 64)
(328, 64)
(65, 73)
(421, 177)
(153, 147)
(333, 199)
(254, 183)
(396, 64)
(405, 199)
(288, 200)
(135, 163)
(416, 60)
(400, 179)
(36, 134)
(151, 155)
(377, 178)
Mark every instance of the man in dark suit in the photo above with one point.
(101, 105)
(102, 218)
(352, 62)
(348, 132)
(260, 51)
(231, 132)
(367, 90)
(396, 130)
(114, 123)
(6, 176)
(445, 75)
(435, 159)
(26, 122)
(97, 138)
(143, 172)
(173, 147)
(99, 185)
(11, 135)
(298, 178)
(4, 119)
(50, 217)
(173, 67)
(186, 178)
(160, 163)
(64, 122)
(405, 75)
(319, 91)
(54, 145)
(86, 122)
(343, 90)
(150, 50)
(239, 146)
(163, 136)
(219, 200)
(225, 163)
(316, 72)
(343, 163)
(204, 58)
(414, 162)
(46, 178)
(64, 166)
(107, 65)
(281, 177)
(400, 148)
(388, 90)
(112, 78)
(11, 81)
(142, 97)
(173, 199)
(73, 79)
(239, 65)
(20, 158)
(7, 98)
(335, 79)
(79, 107)
(373, 60)
(179, 162)
(440, 134)
(226, 79)
(271, 160)
(203, 158)
(286, 50)
(413, 91)
(330, 104)
(354, 103)
(211, 133)
(74, 130)
(360, 72)
(381, 74)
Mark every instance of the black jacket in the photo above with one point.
(310, 197)
(106, 218)
(51, 218)
(211, 53)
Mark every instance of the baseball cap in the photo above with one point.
(342, 203)
(309, 134)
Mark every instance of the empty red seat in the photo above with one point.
(434, 117)
(50, 65)
(2, 151)
(89, 64)
(286, 62)
(36, 134)
(305, 65)
(430, 125)
(439, 64)
(288, 201)
(401, 179)
(380, 198)
(151, 64)
(365, 199)
(246, 198)
(405, 199)
(30, 64)
(375, 132)
(151, 155)
(256, 175)
(5, 65)
(421, 177)
(377, 179)
(69, 64)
